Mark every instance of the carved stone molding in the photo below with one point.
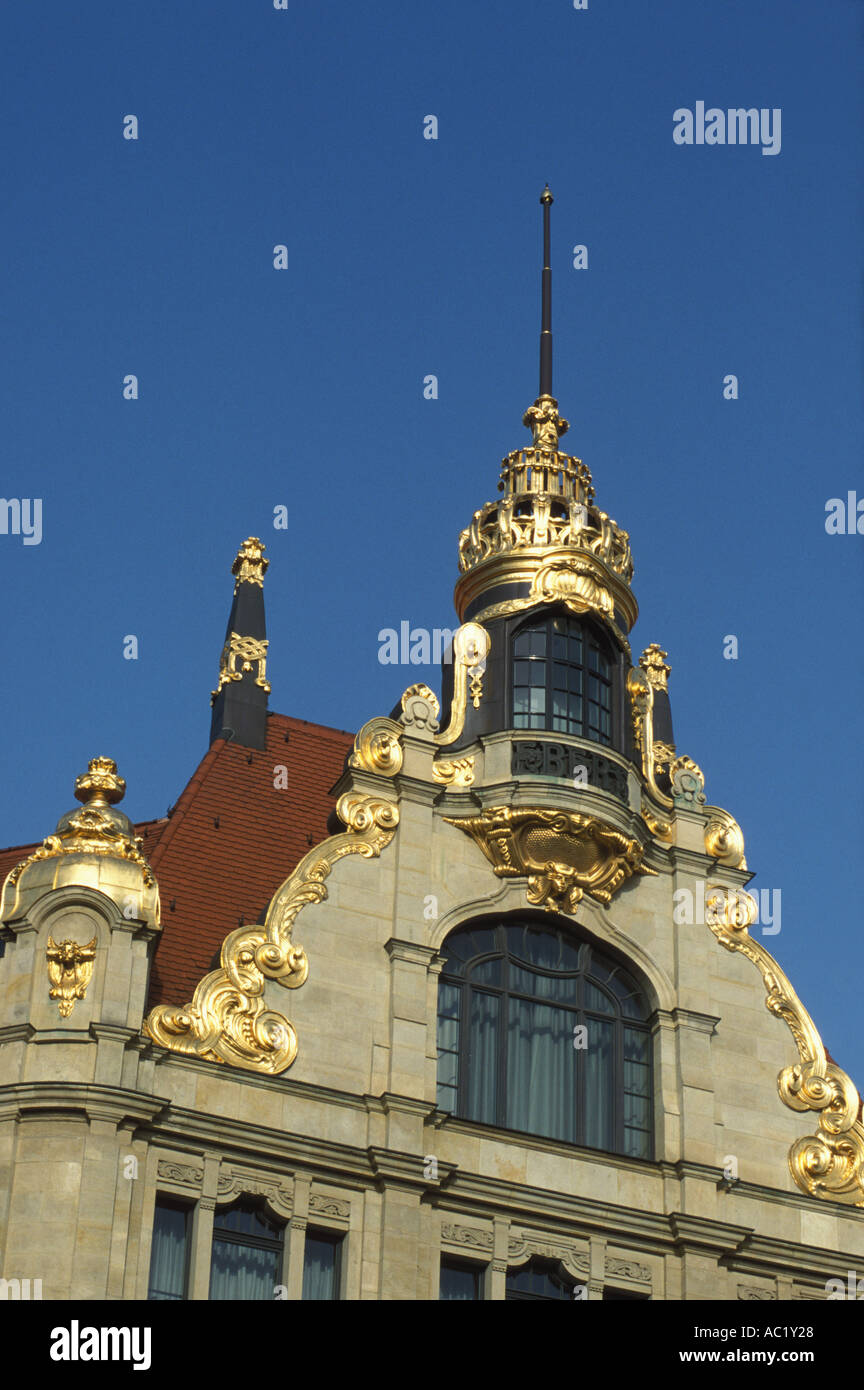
(233, 1185)
(755, 1293)
(183, 1174)
(420, 708)
(688, 782)
(562, 854)
(329, 1206)
(628, 1269)
(473, 1236)
(520, 1249)
(829, 1164)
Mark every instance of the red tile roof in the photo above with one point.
(230, 841)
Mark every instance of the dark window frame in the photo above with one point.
(588, 954)
(275, 1245)
(464, 1266)
(541, 1265)
(172, 1202)
(327, 1235)
(595, 637)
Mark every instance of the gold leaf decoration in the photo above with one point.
(562, 854)
(70, 970)
(226, 1020)
(830, 1163)
(378, 747)
(724, 839)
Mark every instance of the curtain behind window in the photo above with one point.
(242, 1272)
(541, 1070)
(168, 1255)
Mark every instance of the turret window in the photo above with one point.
(562, 679)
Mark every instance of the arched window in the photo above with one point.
(541, 1281)
(562, 679)
(541, 1032)
(247, 1252)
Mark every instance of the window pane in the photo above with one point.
(597, 1001)
(459, 1283)
(541, 1070)
(483, 1054)
(557, 988)
(536, 945)
(448, 1069)
(246, 1220)
(243, 1272)
(599, 1100)
(636, 1043)
(637, 1113)
(448, 1044)
(637, 1144)
(488, 972)
(537, 1281)
(321, 1265)
(168, 1254)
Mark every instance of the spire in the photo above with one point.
(542, 417)
(546, 313)
(240, 699)
(546, 540)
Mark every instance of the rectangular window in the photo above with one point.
(460, 1282)
(322, 1262)
(169, 1256)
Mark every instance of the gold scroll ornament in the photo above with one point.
(830, 1163)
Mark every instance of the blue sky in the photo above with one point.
(303, 388)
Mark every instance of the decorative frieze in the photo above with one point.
(628, 1269)
(184, 1174)
(320, 1205)
(473, 1236)
(233, 1184)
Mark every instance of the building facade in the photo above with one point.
(471, 1005)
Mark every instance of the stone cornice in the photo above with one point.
(686, 1018)
(778, 1256)
(411, 951)
(28, 1100)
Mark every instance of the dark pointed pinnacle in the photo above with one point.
(546, 316)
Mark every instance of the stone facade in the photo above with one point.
(96, 1118)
